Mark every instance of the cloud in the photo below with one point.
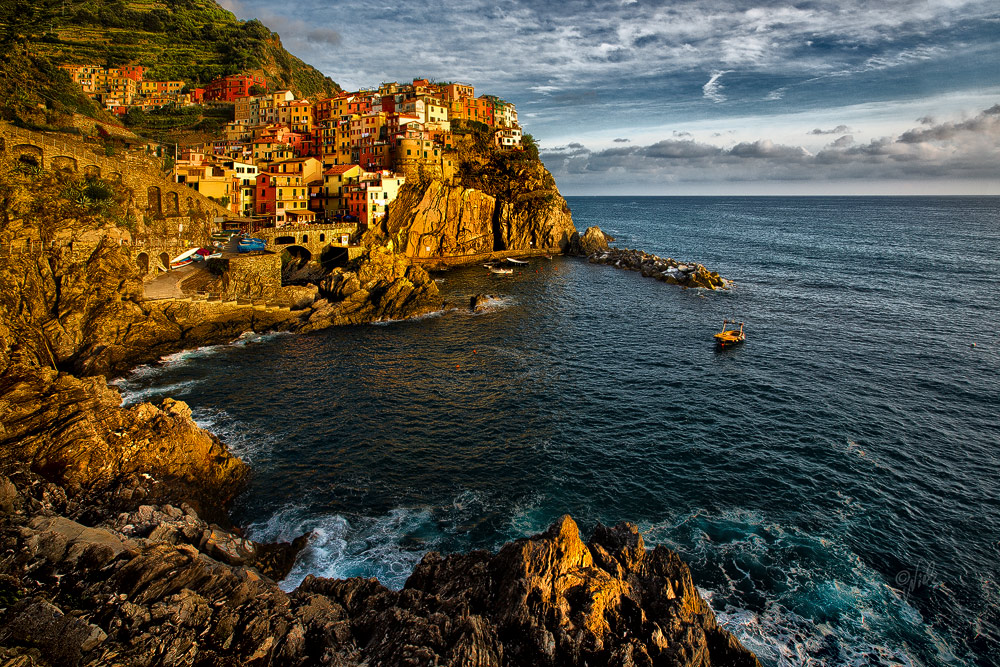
(966, 149)
(326, 36)
(986, 124)
(620, 140)
(713, 89)
(840, 129)
(672, 149)
(775, 95)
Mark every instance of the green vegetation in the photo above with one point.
(36, 94)
(55, 200)
(502, 173)
(190, 40)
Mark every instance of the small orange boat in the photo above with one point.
(728, 337)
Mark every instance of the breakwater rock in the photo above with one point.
(687, 274)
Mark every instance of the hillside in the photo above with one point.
(190, 40)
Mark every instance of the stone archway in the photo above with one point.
(29, 154)
(142, 261)
(284, 240)
(165, 261)
(295, 257)
(63, 163)
(153, 203)
(173, 205)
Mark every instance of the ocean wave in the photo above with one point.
(241, 440)
(386, 547)
(793, 598)
(132, 393)
(493, 304)
(415, 318)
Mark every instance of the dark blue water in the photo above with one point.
(833, 482)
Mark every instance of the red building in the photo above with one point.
(197, 95)
(233, 87)
(134, 72)
(266, 194)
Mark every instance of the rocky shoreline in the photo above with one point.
(158, 585)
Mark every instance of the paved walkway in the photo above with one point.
(168, 286)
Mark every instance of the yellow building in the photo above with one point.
(334, 179)
(297, 115)
(291, 200)
(382, 191)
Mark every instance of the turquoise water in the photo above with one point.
(833, 482)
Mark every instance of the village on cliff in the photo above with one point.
(285, 162)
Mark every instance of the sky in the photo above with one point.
(697, 97)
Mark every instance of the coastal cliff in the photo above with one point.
(498, 201)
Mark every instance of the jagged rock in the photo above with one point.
(593, 241)
(382, 285)
(74, 431)
(61, 638)
(479, 302)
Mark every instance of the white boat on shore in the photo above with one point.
(184, 258)
(516, 261)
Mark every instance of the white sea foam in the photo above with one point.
(141, 382)
(493, 304)
(415, 318)
(830, 609)
(241, 439)
(132, 394)
(383, 547)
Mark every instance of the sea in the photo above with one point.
(833, 482)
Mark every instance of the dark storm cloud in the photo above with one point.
(840, 129)
(323, 36)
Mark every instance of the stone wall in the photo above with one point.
(167, 209)
(250, 276)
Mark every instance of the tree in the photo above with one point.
(135, 117)
(530, 146)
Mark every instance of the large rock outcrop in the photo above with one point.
(382, 285)
(73, 431)
(506, 205)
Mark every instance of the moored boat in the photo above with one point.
(728, 337)
(251, 244)
(516, 261)
(501, 272)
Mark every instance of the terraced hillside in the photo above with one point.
(191, 40)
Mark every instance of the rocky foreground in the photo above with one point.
(160, 586)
